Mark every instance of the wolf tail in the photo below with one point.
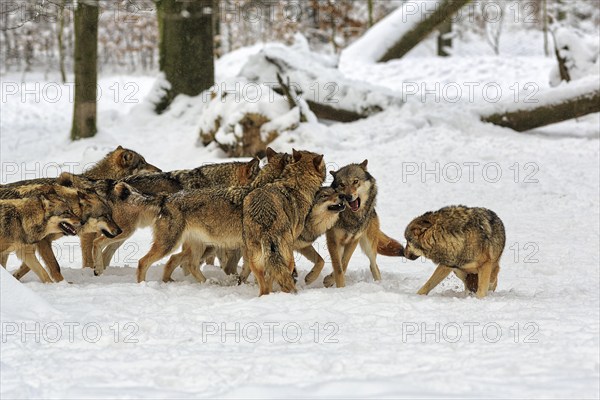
(386, 246)
(277, 257)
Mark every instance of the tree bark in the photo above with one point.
(86, 70)
(370, 10)
(186, 47)
(444, 39)
(410, 39)
(61, 45)
(579, 105)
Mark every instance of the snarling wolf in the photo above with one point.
(358, 224)
(274, 217)
(466, 241)
(87, 205)
(25, 222)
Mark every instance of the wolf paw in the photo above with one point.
(329, 281)
(311, 277)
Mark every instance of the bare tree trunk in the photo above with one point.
(59, 39)
(562, 62)
(186, 47)
(444, 40)
(370, 8)
(410, 39)
(545, 114)
(545, 26)
(86, 70)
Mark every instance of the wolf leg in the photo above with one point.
(87, 246)
(369, 246)
(173, 263)
(312, 255)
(494, 276)
(230, 261)
(21, 272)
(44, 247)
(440, 273)
(156, 253)
(197, 258)
(483, 279)
(109, 251)
(336, 250)
(27, 255)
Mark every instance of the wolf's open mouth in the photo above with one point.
(337, 207)
(355, 205)
(67, 229)
(107, 234)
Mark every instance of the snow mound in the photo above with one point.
(18, 302)
(224, 115)
(316, 78)
(582, 57)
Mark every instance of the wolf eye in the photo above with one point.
(342, 185)
(356, 181)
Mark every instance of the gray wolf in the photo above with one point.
(324, 213)
(91, 209)
(274, 216)
(466, 241)
(25, 222)
(194, 251)
(358, 224)
(131, 215)
(117, 164)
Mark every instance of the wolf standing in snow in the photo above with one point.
(324, 213)
(463, 240)
(358, 224)
(274, 217)
(87, 205)
(193, 253)
(130, 216)
(25, 222)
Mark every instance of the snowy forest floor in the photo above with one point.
(536, 336)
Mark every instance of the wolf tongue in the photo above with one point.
(354, 204)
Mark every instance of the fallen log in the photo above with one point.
(559, 104)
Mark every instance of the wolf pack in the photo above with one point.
(238, 211)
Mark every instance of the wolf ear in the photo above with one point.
(126, 158)
(65, 179)
(317, 162)
(119, 147)
(296, 155)
(270, 153)
(364, 164)
(332, 173)
(122, 190)
(252, 167)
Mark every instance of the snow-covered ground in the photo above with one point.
(536, 336)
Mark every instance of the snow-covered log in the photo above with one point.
(244, 127)
(576, 55)
(318, 82)
(555, 105)
(399, 32)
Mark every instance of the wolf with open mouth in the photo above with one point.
(357, 224)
